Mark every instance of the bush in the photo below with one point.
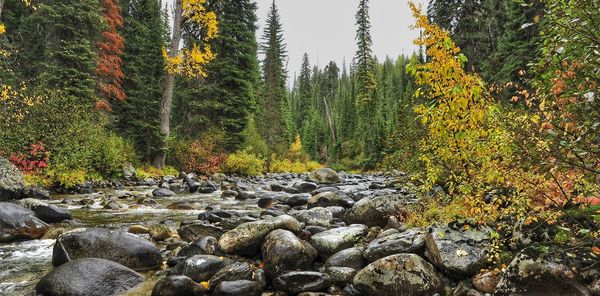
(149, 171)
(202, 156)
(109, 153)
(243, 163)
(288, 166)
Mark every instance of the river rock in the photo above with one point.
(162, 192)
(159, 232)
(118, 246)
(541, 270)
(200, 268)
(341, 275)
(206, 245)
(314, 216)
(337, 239)
(305, 187)
(194, 231)
(296, 282)
(296, 200)
(36, 192)
(486, 282)
(19, 223)
(90, 277)
(282, 252)
(458, 253)
(247, 237)
(351, 257)
(410, 241)
(330, 199)
(186, 205)
(324, 176)
(11, 181)
(233, 272)
(178, 285)
(375, 211)
(407, 273)
(239, 288)
(44, 211)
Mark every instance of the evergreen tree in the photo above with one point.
(271, 121)
(303, 96)
(145, 35)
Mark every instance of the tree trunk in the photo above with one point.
(167, 99)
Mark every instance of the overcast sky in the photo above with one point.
(325, 29)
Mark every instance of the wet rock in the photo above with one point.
(410, 241)
(90, 277)
(247, 237)
(541, 270)
(229, 194)
(162, 192)
(314, 229)
(118, 246)
(265, 202)
(330, 199)
(276, 187)
(36, 192)
(113, 205)
(324, 176)
(11, 181)
(296, 282)
(458, 253)
(486, 282)
(351, 257)
(238, 288)
(19, 223)
(282, 252)
(291, 190)
(186, 205)
(375, 211)
(337, 239)
(233, 272)
(46, 212)
(200, 268)
(296, 200)
(305, 187)
(341, 275)
(205, 245)
(408, 273)
(178, 285)
(159, 232)
(314, 216)
(194, 231)
(138, 229)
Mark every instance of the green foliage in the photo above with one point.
(148, 171)
(243, 163)
(254, 141)
(202, 156)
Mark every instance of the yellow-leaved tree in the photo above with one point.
(190, 60)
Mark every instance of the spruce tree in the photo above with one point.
(303, 97)
(271, 121)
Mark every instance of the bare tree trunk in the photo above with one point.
(167, 99)
(330, 120)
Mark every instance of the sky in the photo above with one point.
(325, 29)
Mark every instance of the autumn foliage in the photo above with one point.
(33, 160)
(110, 75)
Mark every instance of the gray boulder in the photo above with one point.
(46, 212)
(402, 274)
(314, 216)
(324, 176)
(458, 253)
(337, 239)
(375, 211)
(282, 252)
(118, 246)
(19, 223)
(330, 199)
(352, 257)
(296, 282)
(11, 181)
(178, 285)
(233, 272)
(89, 277)
(305, 187)
(238, 288)
(200, 268)
(194, 231)
(162, 192)
(247, 237)
(409, 241)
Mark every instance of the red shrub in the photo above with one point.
(33, 160)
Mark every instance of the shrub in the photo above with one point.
(149, 171)
(201, 156)
(109, 153)
(67, 178)
(244, 163)
(288, 166)
(33, 161)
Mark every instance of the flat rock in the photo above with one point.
(337, 239)
(18, 223)
(409, 241)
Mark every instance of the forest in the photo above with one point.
(494, 119)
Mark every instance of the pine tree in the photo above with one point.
(304, 93)
(271, 120)
(145, 34)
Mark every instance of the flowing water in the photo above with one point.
(24, 263)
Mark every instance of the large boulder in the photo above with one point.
(314, 216)
(402, 274)
(409, 241)
(330, 199)
(352, 258)
(118, 246)
(458, 253)
(541, 270)
(178, 285)
(324, 176)
(234, 272)
(305, 187)
(89, 277)
(46, 212)
(337, 239)
(247, 237)
(296, 282)
(162, 192)
(238, 288)
(19, 223)
(11, 181)
(375, 211)
(282, 252)
(194, 231)
(200, 268)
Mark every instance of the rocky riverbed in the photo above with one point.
(290, 234)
